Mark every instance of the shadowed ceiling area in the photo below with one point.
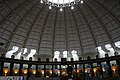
(32, 25)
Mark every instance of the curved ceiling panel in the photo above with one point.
(30, 24)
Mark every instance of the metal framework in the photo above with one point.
(22, 19)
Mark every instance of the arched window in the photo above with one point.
(10, 53)
(74, 55)
(101, 52)
(32, 52)
(117, 44)
(109, 47)
(56, 55)
(64, 54)
(24, 51)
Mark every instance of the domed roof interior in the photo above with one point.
(32, 25)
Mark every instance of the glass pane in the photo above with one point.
(16, 69)
(6, 69)
(24, 69)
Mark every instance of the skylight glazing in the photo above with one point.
(61, 1)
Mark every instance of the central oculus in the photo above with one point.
(61, 1)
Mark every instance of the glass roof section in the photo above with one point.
(61, 1)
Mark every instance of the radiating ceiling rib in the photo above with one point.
(112, 16)
(18, 25)
(54, 33)
(78, 33)
(87, 23)
(7, 16)
(114, 5)
(65, 30)
(41, 34)
(30, 29)
(104, 28)
(109, 13)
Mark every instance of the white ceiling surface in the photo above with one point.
(30, 24)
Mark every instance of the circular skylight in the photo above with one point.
(61, 1)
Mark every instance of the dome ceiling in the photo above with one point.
(30, 24)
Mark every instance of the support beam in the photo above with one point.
(66, 37)
(53, 42)
(112, 16)
(13, 11)
(88, 25)
(78, 33)
(31, 27)
(17, 27)
(103, 26)
(42, 31)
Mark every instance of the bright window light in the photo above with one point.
(99, 48)
(32, 52)
(109, 47)
(24, 50)
(61, 1)
(101, 52)
(10, 53)
(64, 54)
(74, 52)
(15, 48)
(56, 55)
(117, 44)
(74, 55)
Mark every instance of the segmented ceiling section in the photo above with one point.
(30, 24)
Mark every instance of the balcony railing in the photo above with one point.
(108, 67)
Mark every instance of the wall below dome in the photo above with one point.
(91, 54)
